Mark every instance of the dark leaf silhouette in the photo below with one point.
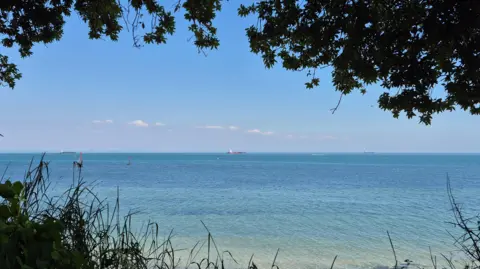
(425, 54)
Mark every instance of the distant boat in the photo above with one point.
(129, 161)
(79, 162)
(235, 152)
(368, 152)
(67, 152)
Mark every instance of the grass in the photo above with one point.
(106, 240)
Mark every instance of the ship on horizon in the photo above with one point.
(368, 152)
(235, 152)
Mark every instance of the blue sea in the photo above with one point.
(310, 206)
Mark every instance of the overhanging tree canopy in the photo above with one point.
(407, 46)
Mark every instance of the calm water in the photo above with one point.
(312, 207)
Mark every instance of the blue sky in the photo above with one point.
(79, 94)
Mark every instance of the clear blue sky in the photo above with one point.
(71, 88)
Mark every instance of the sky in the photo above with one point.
(103, 96)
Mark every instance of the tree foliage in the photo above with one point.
(28, 22)
(406, 46)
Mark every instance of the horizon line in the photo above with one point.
(224, 152)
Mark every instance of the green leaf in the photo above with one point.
(17, 187)
(6, 191)
(19, 261)
(41, 264)
(79, 259)
(4, 212)
(3, 238)
(55, 255)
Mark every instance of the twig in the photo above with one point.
(470, 240)
(333, 110)
(334, 259)
(250, 262)
(449, 261)
(4, 172)
(433, 258)
(275, 259)
(393, 249)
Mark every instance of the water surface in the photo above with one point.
(312, 207)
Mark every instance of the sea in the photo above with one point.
(310, 208)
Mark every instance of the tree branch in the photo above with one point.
(333, 110)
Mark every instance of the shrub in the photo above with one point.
(30, 243)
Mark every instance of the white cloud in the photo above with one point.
(327, 137)
(218, 127)
(210, 127)
(102, 121)
(139, 123)
(159, 124)
(256, 131)
(313, 137)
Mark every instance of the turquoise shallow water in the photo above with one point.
(312, 207)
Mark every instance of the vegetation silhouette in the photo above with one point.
(408, 47)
